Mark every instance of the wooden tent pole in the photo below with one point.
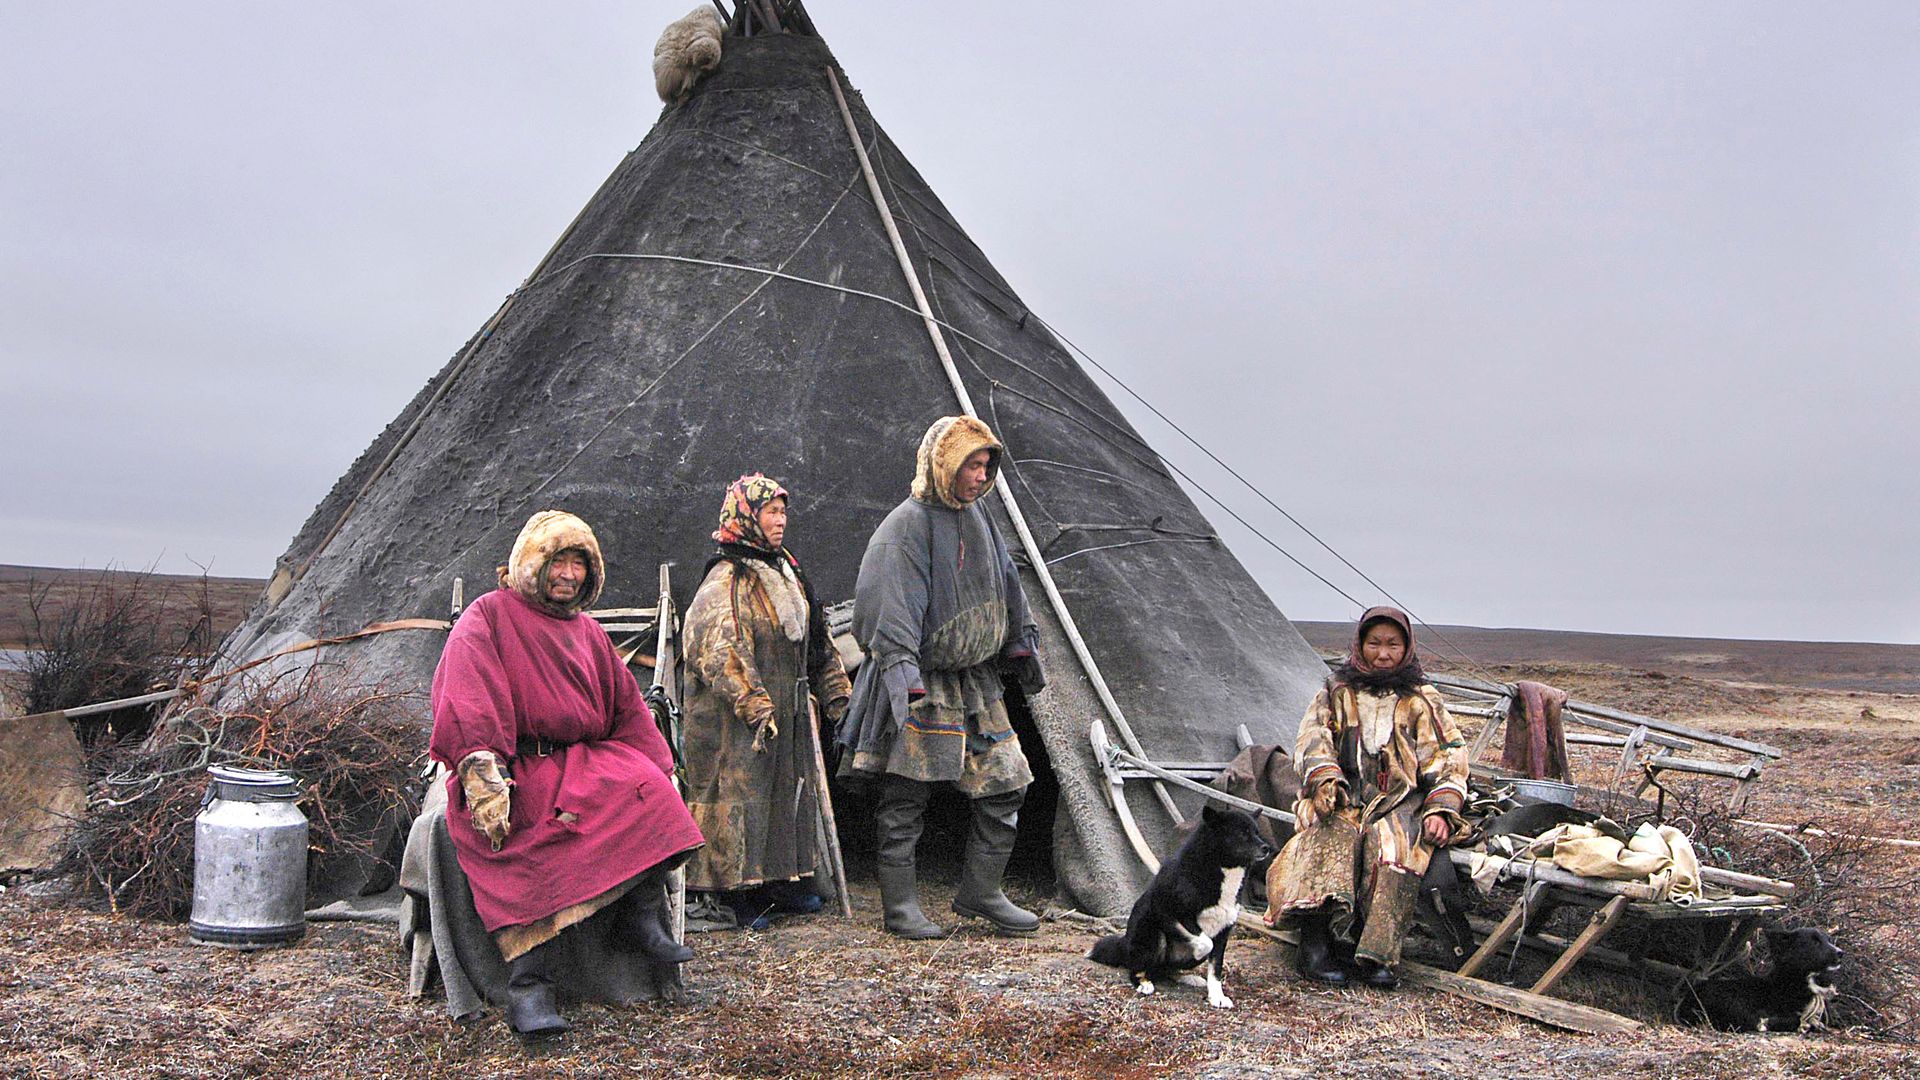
(666, 662)
(1012, 505)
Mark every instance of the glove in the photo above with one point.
(760, 716)
(489, 798)
(1330, 795)
(832, 711)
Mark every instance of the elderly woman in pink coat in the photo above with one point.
(561, 802)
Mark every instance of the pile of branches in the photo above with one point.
(354, 751)
(118, 637)
(1856, 888)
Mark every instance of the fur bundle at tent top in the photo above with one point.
(730, 301)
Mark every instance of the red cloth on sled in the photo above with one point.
(1536, 745)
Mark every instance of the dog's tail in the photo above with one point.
(1110, 950)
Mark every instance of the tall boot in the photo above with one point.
(1315, 959)
(530, 1007)
(643, 922)
(996, 822)
(897, 821)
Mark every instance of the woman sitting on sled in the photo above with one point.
(1383, 778)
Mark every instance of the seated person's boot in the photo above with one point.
(530, 1005)
(643, 923)
(1371, 972)
(1316, 959)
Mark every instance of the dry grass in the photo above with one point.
(87, 993)
(113, 639)
(352, 749)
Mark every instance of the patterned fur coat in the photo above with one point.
(750, 717)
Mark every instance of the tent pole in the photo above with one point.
(1019, 520)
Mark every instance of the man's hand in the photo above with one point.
(489, 795)
(1436, 830)
(831, 712)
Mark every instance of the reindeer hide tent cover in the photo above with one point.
(631, 390)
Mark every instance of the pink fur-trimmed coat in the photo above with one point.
(512, 673)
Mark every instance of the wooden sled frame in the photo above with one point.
(1614, 903)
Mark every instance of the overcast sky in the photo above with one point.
(1599, 316)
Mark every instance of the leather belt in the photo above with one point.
(538, 747)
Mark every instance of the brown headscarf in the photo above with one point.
(1402, 678)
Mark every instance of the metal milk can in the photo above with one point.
(249, 861)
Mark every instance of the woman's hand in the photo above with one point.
(1436, 830)
(489, 796)
(1330, 795)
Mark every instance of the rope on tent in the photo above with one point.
(927, 238)
(1249, 485)
(446, 384)
(637, 256)
(1007, 498)
(1134, 543)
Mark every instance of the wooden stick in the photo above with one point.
(1554, 945)
(665, 669)
(1811, 831)
(1035, 558)
(1117, 797)
(1546, 1010)
(1713, 875)
(1504, 932)
(1598, 927)
(1550, 1011)
(1617, 720)
(1215, 794)
(836, 863)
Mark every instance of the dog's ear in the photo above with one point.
(1209, 811)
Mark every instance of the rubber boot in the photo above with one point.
(897, 822)
(530, 1007)
(644, 921)
(750, 907)
(794, 897)
(996, 822)
(1376, 974)
(1315, 959)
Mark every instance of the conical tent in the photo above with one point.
(730, 301)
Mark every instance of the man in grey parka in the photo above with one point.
(941, 614)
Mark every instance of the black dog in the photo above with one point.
(1187, 913)
(1791, 997)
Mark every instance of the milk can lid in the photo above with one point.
(235, 782)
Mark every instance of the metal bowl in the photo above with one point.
(1548, 791)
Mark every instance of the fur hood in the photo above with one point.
(945, 447)
(545, 535)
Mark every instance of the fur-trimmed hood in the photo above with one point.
(545, 535)
(945, 447)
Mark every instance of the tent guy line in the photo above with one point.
(1249, 485)
(634, 256)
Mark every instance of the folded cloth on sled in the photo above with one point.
(1661, 856)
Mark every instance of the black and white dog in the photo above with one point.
(1186, 915)
(1792, 996)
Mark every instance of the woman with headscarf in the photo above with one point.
(1383, 778)
(761, 666)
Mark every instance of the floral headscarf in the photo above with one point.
(739, 514)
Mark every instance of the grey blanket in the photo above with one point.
(445, 936)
